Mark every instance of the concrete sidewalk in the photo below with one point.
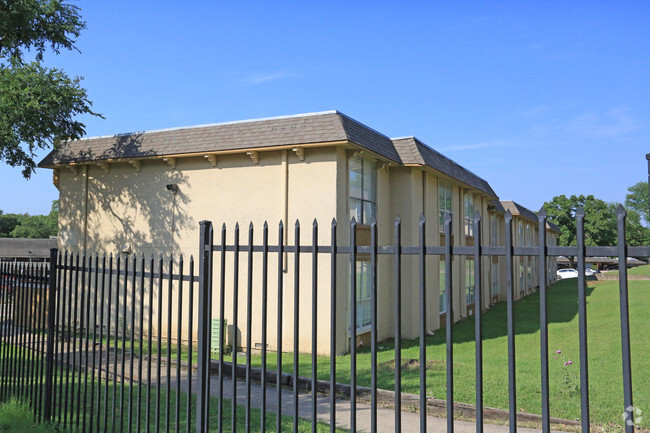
(385, 417)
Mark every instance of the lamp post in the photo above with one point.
(647, 156)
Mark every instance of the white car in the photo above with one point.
(589, 272)
(566, 273)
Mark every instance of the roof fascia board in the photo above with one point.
(210, 152)
(447, 177)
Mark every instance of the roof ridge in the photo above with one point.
(208, 125)
(360, 123)
(447, 158)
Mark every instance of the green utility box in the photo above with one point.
(217, 325)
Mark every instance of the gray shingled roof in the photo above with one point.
(498, 207)
(517, 209)
(26, 248)
(290, 130)
(552, 227)
(413, 151)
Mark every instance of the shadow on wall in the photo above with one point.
(132, 210)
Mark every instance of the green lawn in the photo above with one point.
(606, 392)
(17, 416)
(639, 270)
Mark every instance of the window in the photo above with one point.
(469, 281)
(363, 181)
(444, 202)
(522, 281)
(520, 233)
(364, 301)
(494, 231)
(494, 272)
(469, 214)
(443, 292)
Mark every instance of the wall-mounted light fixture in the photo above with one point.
(172, 187)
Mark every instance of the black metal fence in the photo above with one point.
(86, 340)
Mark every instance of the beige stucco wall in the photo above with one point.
(132, 210)
(126, 209)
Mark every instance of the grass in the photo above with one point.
(17, 417)
(119, 417)
(606, 393)
(639, 270)
(636, 270)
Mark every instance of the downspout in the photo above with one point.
(85, 221)
(285, 202)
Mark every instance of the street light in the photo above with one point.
(647, 156)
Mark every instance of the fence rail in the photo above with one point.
(85, 339)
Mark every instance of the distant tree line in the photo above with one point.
(30, 226)
(600, 223)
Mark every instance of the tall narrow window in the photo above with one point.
(363, 294)
(443, 292)
(494, 272)
(444, 202)
(363, 195)
(494, 231)
(469, 214)
(469, 281)
(522, 280)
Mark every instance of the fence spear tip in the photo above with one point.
(580, 212)
(542, 213)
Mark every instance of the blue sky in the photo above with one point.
(538, 98)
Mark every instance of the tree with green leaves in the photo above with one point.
(30, 226)
(600, 223)
(600, 219)
(38, 104)
(637, 199)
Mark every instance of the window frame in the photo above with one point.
(363, 269)
(442, 281)
(470, 282)
(468, 202)
(367, 198)
(443, 200)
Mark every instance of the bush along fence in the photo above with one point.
(127, 344)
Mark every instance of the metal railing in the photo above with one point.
(85, 340)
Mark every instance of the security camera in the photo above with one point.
(172, 187)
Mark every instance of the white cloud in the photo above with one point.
(268, 76)
(612, 123)
(482, 145)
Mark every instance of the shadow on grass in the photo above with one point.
(562, 308)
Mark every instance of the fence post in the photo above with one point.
(49, 351)
(203, 361)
